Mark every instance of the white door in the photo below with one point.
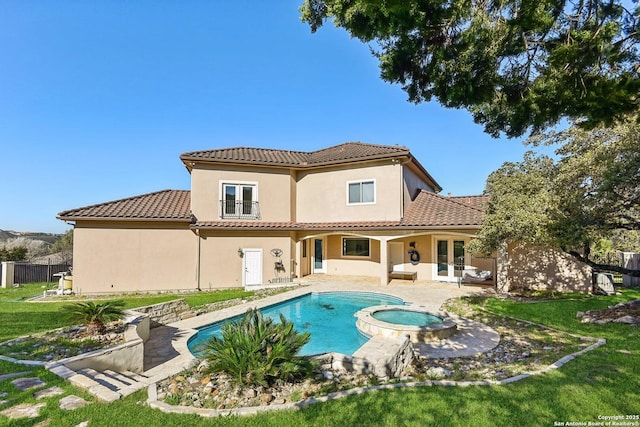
(318, 261)
(396, 256)
(252, 267)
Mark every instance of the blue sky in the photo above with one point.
(99, 99)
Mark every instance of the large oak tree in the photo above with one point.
(517, 65)
(590, 193)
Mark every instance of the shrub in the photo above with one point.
(258, 351)
(94, 315)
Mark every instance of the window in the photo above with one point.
(239, 201)
(355, 247)
(361, 192)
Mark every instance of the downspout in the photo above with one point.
(198, 261)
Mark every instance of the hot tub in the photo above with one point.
(398, 321)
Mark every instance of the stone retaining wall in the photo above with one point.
(167, 312)
(380, 356)
(128, 356)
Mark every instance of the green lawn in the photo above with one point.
(603, 382)
(18, 317)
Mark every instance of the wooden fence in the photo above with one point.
(31, 273)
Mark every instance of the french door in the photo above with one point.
(449, 253)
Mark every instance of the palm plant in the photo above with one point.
(257, 351)
(94, 315)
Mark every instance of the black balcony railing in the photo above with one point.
(234, 209)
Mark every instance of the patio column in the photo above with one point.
(384, 262)
(297, 257)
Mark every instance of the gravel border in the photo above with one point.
(153, 401)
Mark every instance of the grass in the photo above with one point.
(19, 317)
(605, 381)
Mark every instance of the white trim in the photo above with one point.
(360, 181)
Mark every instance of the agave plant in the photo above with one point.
(257, 351)
(94, 315)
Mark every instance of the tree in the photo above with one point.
(516, 66)
(18, 253)
(64, 246)
(590, 194)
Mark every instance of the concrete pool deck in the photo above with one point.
(166, 351)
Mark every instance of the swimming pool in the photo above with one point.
(328, 317)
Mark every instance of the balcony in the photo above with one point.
(234, 209)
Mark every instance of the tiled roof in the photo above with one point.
(248, 155)
(434, 210)
(343, 153)
(351, 151)
(427, 210)
(478, 201)
(166, 205)
(298, 226)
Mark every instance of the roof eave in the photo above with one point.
(436, 187)
(191, 162)
(122, 219)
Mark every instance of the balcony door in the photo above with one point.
(239, 201)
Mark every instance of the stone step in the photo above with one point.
(132, 383)
(88, 383)
(108, 385)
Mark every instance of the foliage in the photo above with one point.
(257, 351)
(15, 254)
(514, 65)
(591, 193)
(518, 206)
(64, 246)
(93, 315)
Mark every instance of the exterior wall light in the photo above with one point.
(240, 252)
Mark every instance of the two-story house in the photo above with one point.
(255, 216)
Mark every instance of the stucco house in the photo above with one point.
(255, 216)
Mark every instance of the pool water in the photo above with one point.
(328, 317)
(406, 317)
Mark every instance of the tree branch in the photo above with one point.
(604, 267)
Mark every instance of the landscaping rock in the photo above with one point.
(49, 392)
(629, 320)
(266, 398)
(627, 313)
(24, 410)
(72, 402)
(23, 384)
(437, 373)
